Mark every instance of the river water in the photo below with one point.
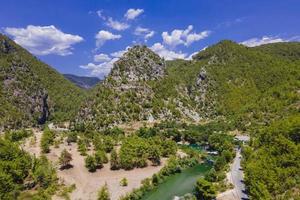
(178, 184)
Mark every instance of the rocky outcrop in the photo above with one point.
(138, 64)
(45, 110)
(135, 91)
(125, 94)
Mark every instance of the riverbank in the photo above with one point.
(178, 184)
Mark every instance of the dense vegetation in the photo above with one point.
(84, 82)
(20, 172)
(31, 91)
(258, 91)
(272, 162)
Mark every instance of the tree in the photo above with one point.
(100, 158)
(211, 175)
(168, 148)
(90, 163)
(82, 147)
(220, 163)
(155, 179)
(227, 155)
(65, 159)
(108, 144)
(205, 190)
(72, 137)
(124, 182)
(103, 193)
(114, 160)
(47, 140)
(154, 155)
(141, 161)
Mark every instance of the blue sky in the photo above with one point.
(85, 37)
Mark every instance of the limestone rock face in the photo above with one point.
(138, 64)
(21, 87)
(31, 90)
(140, 88)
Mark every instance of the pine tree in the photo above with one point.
(154, 155)
(124, 182)
(90, 163)
(65, 159)
(114, 160)
(205, 190)
(103, 193)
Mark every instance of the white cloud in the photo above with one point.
(103, 36)
(133, 13)
(101, 57)
(185, 37)
(118, 54)
(100, 14)
(44, 40)
(191, 56)
(103, 68)
(264, 40)
(193, 37)
(162, 51)
(110, 22)
(195, 53)
(144, 32)
(119, 26)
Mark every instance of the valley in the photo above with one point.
(153, 129)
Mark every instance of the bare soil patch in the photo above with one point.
(87, 183)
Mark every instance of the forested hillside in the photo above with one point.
(258, 90)
(84, 82)
(247, 85)
(31, 91)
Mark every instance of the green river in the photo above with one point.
(178, 184)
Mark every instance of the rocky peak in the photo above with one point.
(139, 63)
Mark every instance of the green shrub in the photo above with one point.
(90, 163)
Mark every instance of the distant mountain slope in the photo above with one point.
(84, 82)
(31, 91)
(286, 50)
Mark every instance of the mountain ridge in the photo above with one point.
(84, 82)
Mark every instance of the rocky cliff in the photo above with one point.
(31, 92)
(142, 86)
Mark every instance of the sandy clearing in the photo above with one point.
(88, 184)
(33, 148)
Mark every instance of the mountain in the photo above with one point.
(83, 82)
(140, 87)
(226, 79)
(32, 92)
